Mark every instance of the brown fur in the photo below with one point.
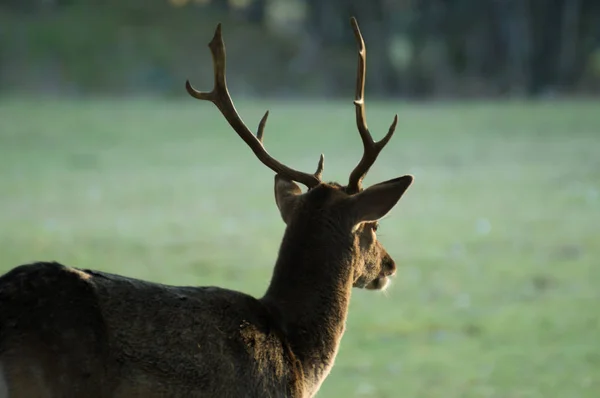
(68, 332)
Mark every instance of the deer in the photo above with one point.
(73, 332)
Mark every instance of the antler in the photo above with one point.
(221, 98)
(371, 148)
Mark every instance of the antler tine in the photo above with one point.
(222, 100)
(371, 147)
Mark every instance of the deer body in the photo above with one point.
(123, 337)
(68, 332)
(81, 332)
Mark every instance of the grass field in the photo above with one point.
(498, 239)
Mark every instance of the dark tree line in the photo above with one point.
(422, 48)
(502, 46)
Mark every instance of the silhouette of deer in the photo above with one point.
(69, 332)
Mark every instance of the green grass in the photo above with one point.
(498, 239)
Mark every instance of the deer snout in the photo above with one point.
(388, 266)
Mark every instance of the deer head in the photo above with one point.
(346, 215)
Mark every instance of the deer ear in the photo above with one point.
(287, 194)
(376, 201)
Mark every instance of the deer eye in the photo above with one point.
(375, 227)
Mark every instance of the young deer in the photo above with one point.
(68, 332)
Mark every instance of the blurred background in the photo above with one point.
(106, 163)
(291, 48)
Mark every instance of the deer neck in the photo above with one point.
(310, 292)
